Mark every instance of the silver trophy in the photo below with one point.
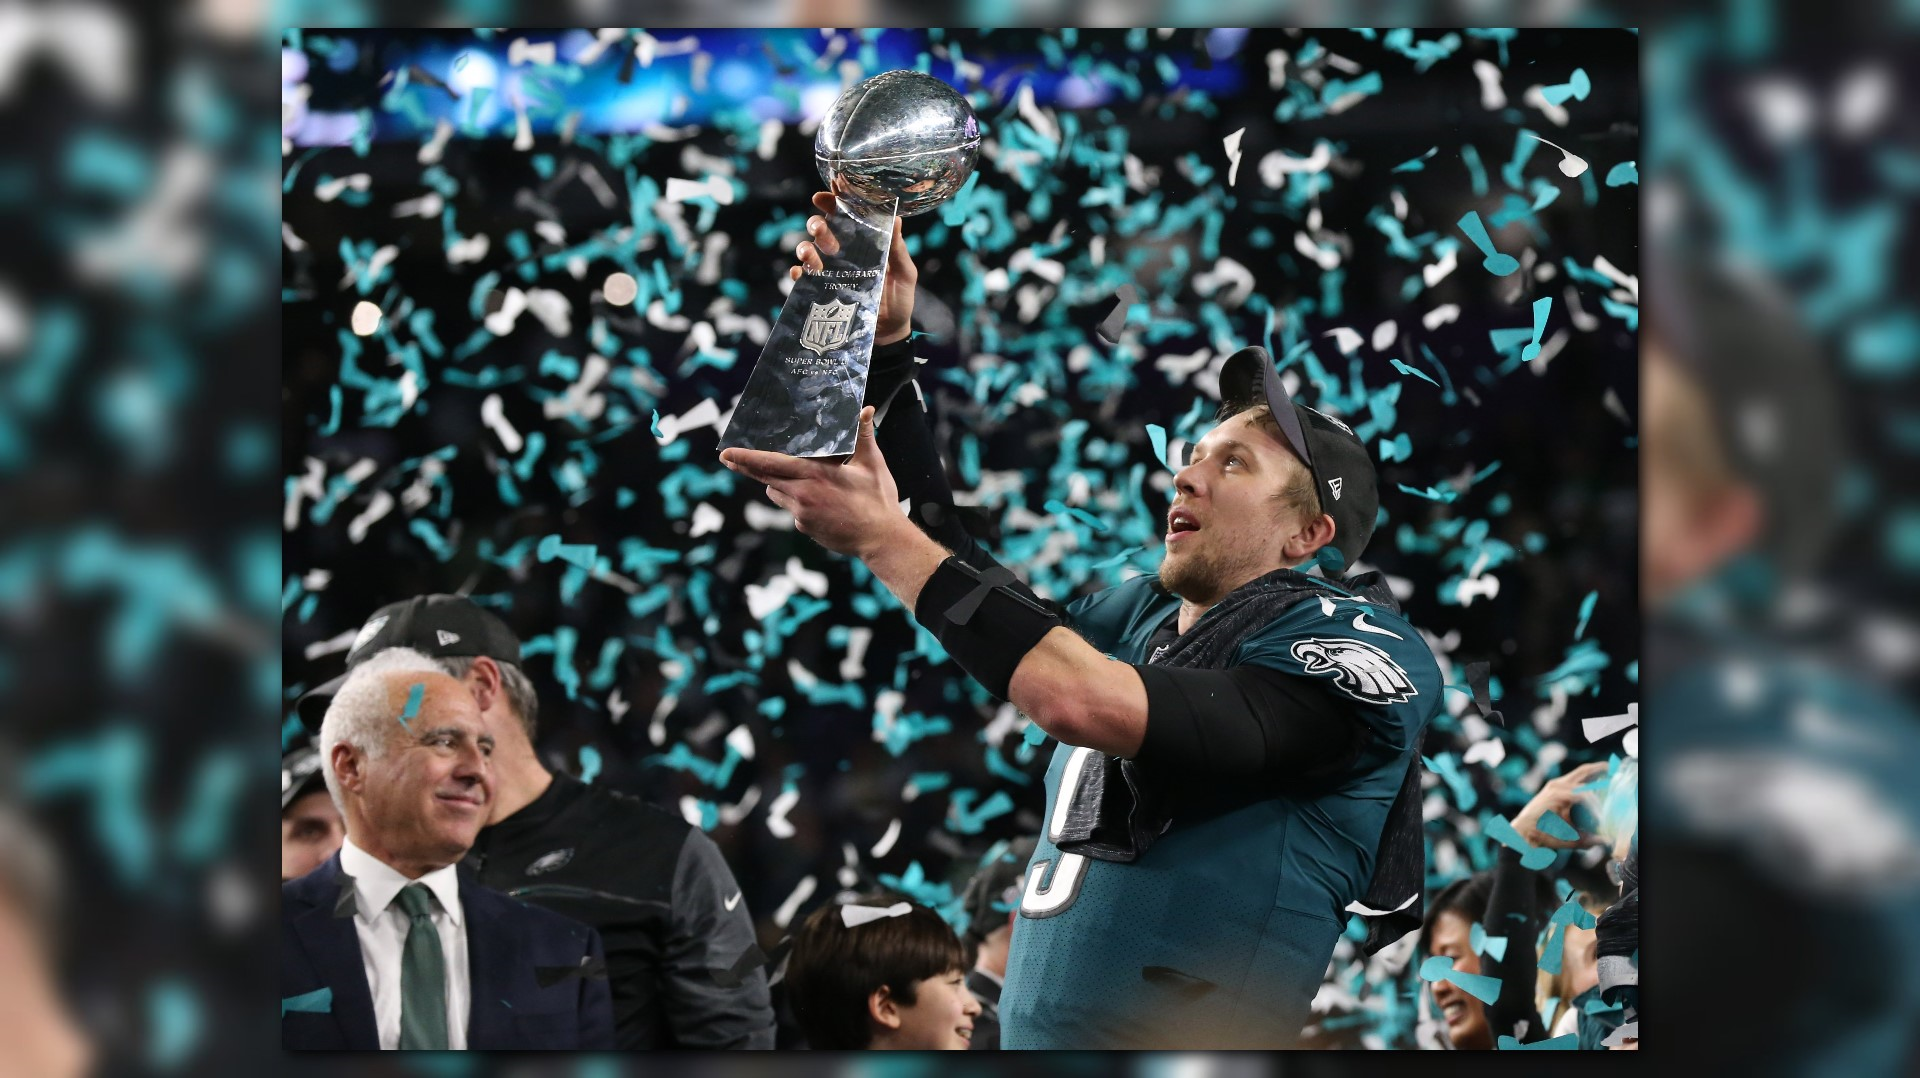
(898, 144)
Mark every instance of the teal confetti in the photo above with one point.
(175, 1024)
(1586, 611)
(1157, 434)
(1567, 1043)
(414, 696)
(318, 1001)
(1553, 825)
(1404, 369)
(1624, 173)
(1500, 265)
(589, 763)
(1440, 968)
(1541, 307)
(1576, 88)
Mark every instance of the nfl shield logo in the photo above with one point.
(827, 327)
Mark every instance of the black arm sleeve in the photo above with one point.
(906, 441)
(1513, 911)
(1246, 723)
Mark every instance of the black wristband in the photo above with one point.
(982, 620)
(888, 370)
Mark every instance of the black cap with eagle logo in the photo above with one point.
(439, 626)
(1343, 475)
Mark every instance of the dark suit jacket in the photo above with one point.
(537, 979)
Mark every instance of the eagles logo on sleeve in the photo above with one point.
(1361, 670)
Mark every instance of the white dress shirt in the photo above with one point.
(382, 926)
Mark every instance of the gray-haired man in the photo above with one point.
(387, 945)
(674, 920)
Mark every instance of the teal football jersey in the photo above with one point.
(1219, 934)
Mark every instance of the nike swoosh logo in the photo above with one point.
(1360, 626)
(734, 901)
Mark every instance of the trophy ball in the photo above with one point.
(899, 134)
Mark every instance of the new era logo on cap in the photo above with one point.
(446, 637)
(1335, 484)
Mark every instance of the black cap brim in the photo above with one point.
(312, 705)
(1248, 378)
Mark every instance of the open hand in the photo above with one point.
(849, 508)
(894, 320)
(1559, 796)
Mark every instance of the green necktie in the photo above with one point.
(423, 974)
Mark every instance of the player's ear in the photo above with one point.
(1311, 537)
(883, 1009)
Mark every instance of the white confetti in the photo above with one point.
(1862, 100)
(1571, 164)
(1608, 725)
(501, 322)
(427, 205)
(768, 518)
(810, 581)
(494, 416)
(1384, 335)
(704, 414)
(1233, 155)
(1228, 274)
(1275, 165)
(1441, 315)
(432, 149)
(552, 308)
(1345, 339)
(784, 915)
(1537, 98)
(706, 520)
(1449, 260)
(1483, 586)
(1324, 257)
(734, 813)
(1492, 95)
(885, 845)
(718, 188)
(1783, 108)
(471, 249)
(1489, 752)
(764, 599)
(328, 190)
(853, 667)
(520, 52)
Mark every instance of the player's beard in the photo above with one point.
(1203, 574)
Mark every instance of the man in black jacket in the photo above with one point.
(673, 920)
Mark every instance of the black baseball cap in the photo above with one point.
(299, 775)
(439, 626)
(1342, 471)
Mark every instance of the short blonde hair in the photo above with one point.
(1297, 494)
